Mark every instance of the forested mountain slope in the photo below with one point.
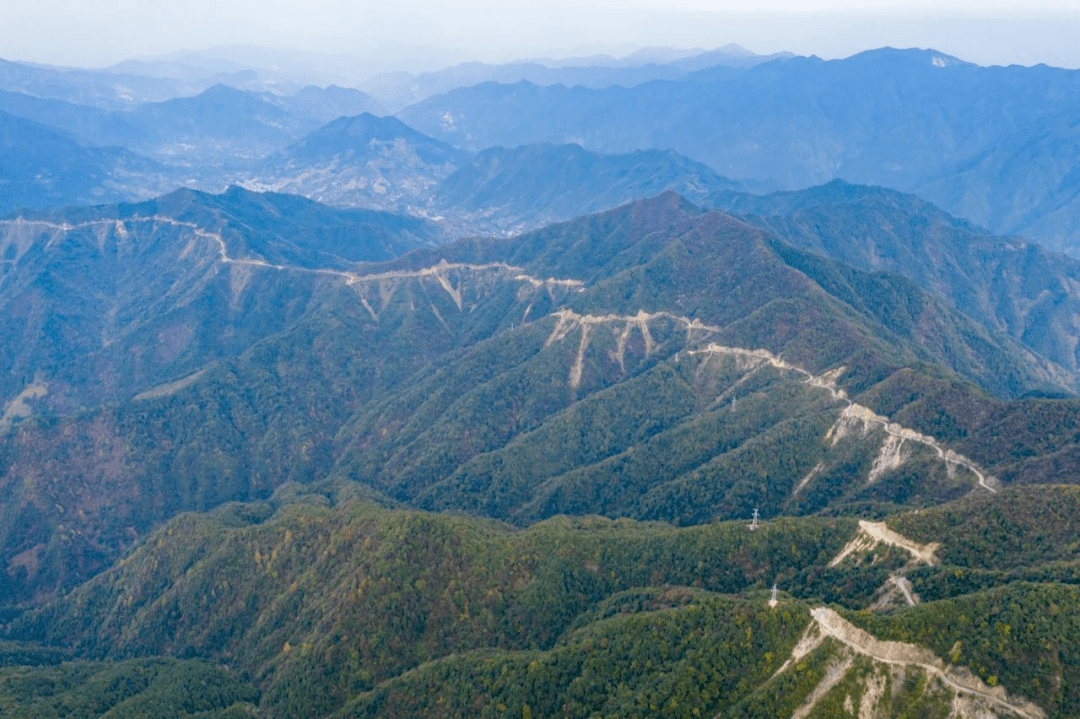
(1006, 283)
(331, 602)
(102, 303)
(688, 365)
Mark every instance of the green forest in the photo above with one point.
(331, 604)
(516, 478)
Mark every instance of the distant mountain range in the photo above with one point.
(534, 185)
(992, 145)
(963, 136)
(381, 163)
(286, 72)
(1012, 285)
(398, 90)
(96, 88)
(221, 126)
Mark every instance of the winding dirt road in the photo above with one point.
(899, 653)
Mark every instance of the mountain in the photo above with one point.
(381, 163)
(1023, 183)
(189, 69)
(812, 453)
(962, 136)
(731, 54)
(283, 71)
(688, 365)
(138, 81)
(977, 165)
(229, 418)
(140, 688)
(98, 88)
(325, 104)
(202, 139)
(336, 606)
(1006, 283)
(118, 298)
(219, 125)
(365, 161)
(91, 126)
(648, 277)
(205, 138)
(218, 129)
(785, 108)
(530, 186)
(43, 167)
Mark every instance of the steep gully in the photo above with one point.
(854, 413)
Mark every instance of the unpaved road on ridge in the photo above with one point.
(899, 653)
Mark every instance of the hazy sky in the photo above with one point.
(100, 32)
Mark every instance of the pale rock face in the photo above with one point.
(969, 696)
(871, 534)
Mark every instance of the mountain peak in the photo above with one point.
(907, 56)
(222, 89)
(669, 200)
(354, 135)
(360, 129)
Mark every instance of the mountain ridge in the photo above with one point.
(426, 374)
(1007, 283)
